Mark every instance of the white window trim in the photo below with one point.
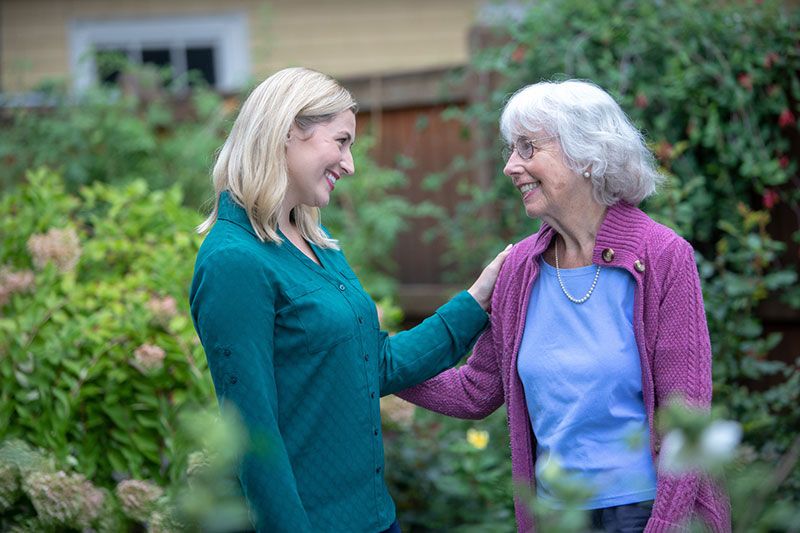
(226, 32)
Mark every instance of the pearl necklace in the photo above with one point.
(564, 289)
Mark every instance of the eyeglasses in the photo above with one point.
(524, 147)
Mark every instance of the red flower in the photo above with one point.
(641, 101)
(770, 198)
(770, 59)
(664, 151)
(519, 53)
(783, 161)
(745, 81)
(786, 119)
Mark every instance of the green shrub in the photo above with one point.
(116, 136)
(97, 351)
(715, 88)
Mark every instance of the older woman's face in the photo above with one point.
(548, 187)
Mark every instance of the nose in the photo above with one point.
(347, 163)
(512, 168)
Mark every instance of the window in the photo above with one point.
(211, 48)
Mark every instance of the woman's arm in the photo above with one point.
(681, 367)
(413, 356)
(233, 310)
(472, 391)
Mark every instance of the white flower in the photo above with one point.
(719, 440)
(672, 454)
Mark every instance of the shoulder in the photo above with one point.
(231, 249)
(665, 247)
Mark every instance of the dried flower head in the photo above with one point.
(148, 358)
(163, 309)
(61, 246)
(9, 486)
(197, 463)
(138, 498)
(62, 499)
(14, 282)
(17, 459)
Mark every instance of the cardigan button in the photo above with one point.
(341, 287)
(608, 255)
(233, 380)
(639, 266)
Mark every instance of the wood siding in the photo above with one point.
(343, 39)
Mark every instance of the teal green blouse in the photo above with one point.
(296, 347)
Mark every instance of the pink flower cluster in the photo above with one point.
(138, 498)
(62, 499)
(163, 309)
(61, 246)
(13, 282)
(148, 358)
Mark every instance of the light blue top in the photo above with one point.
(580, 369)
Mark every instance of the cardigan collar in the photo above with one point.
(619, 241)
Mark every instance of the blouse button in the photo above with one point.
(639, 266)
(608, 255)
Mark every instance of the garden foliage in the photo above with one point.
(142, 130)
(715, 89)
(97, 350)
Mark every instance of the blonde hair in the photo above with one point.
(251, 165)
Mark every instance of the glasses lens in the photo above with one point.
(525, 148)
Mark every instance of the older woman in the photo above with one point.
(597, 319)
(291, 337)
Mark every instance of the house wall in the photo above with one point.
(345, 39)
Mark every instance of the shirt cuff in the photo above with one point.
(463, 315)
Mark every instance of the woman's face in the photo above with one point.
(316, 159)
(549, 188)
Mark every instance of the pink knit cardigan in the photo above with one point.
(671, 334)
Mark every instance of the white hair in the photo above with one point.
(594, 133)
(251, 165)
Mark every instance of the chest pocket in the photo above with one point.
(323, 315)
(367, 309)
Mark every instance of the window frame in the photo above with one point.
(225, 33)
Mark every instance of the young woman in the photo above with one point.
(292, 340)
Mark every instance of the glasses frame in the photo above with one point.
(522, 145)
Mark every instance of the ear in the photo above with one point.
(292, 133)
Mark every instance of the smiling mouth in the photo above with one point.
(331, 177)
(528, 187)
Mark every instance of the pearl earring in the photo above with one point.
(587, 174)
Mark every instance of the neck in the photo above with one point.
(576, 235)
